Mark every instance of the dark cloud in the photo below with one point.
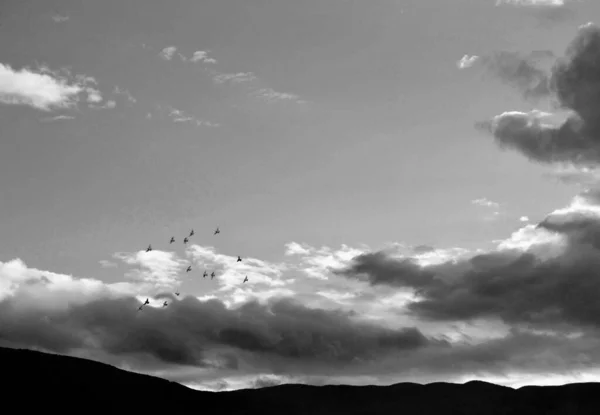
(185, 331)
(521, 71)
(518, 287)
(575, 80)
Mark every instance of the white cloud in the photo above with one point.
(159, 268)
(524, 219)
(47, 290)
(230, 273)
(59, 18)
(94, 95)
(317, 263)
(202, 56)
(107, 264)
(270, 95)
(467, 61)
(107, 105)
(126, 93)
(234, 78)
(44, 90)
(180, 116)
(58, 118)
(168, 52)
(547, 3)
(485, 203)
(294, 248)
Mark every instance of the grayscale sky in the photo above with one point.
(409, 183)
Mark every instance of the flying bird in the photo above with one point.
(189, 268)
(177, 294)
(165, 304)
(172, 239)
(212, 275)
(217, 231)
(192, 232)
(246, 279)
(147, 302)
(140, 308)
(185, 240)
(149, 248)
(205, 274)
(239, 259)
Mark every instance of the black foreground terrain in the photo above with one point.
(32, 380)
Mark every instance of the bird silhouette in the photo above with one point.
(172, 239)
(146, 302)
(239, 259)
(246, 279)
(165, 304)
(189, 268)
(185, 240)
(192, 232)
(212, 275)
(149, 248)
(177, 294)
(140, 308)
(217, 231)
(205, 274)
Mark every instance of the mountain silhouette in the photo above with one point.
(34, 380)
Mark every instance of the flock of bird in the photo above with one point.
(189, 268)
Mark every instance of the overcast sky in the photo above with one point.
(411, 185)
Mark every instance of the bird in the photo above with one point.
(172, 239)
(192, 232)
(205, 274)
(147, 302)
(212, 275)
(239, 259)
(246, 279)
(177, 294)
(140, 308)
(217, 231)
(185, 240)
(189, 268)
(149, 248)
(165, 304)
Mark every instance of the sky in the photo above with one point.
(412, 187)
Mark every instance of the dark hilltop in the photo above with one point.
(33, 380)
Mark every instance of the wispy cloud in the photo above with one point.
(43, 89)
(168, 52)
(202, 56)
(234, 78)
(122, 91)
(544, 3)
(58, 118)
(60, 18)
(485, 203)
(180, 116)
(107, 105)
(270, 95)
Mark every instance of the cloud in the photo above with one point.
(43, 90)
(121, 91)
(524, 219)
(485, 203)
(202, 56)
(467, 61)
(156, 267)
(107, 264)
(271, 96)
(58, 118)
(61, 314)
(179, 116)
(543, 277)
(168, 52)
(520, 71)
(234, 78)
(575, 80)
(59, 18)
(108, 105)
(543, 3)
